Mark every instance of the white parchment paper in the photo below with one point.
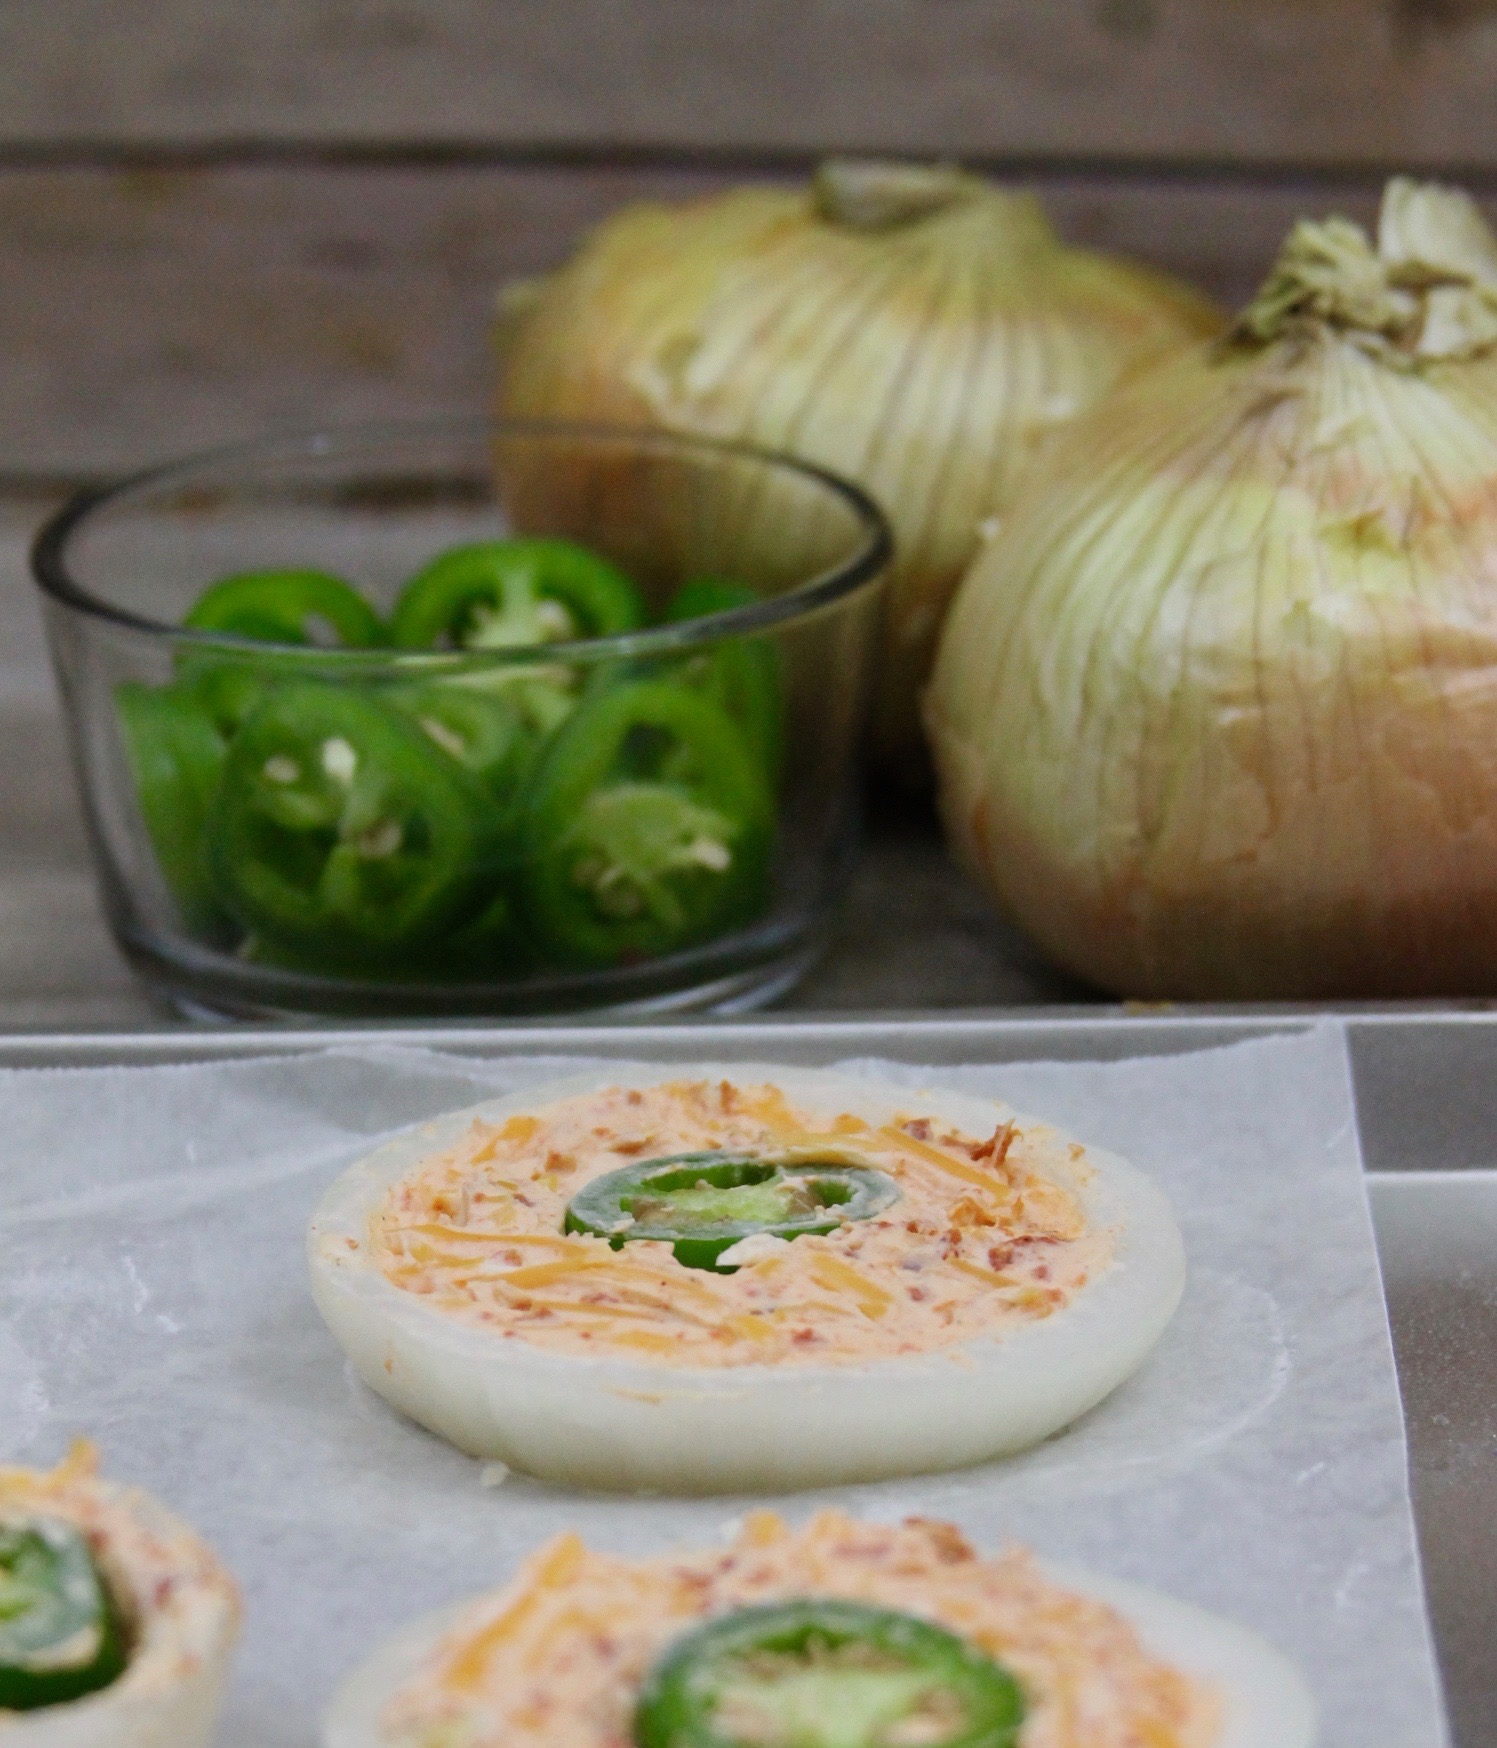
(152, 1295)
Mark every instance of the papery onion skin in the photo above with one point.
(1216, 717)
(912, 328)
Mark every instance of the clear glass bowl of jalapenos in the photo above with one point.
(455, 717)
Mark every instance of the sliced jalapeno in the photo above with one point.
(741, 673)
(176, 758)
(485, 732)
(341, 830)
(648, 826)
(60, 1633)
(703, 1203)
(290, 606)
(504, 594)
(826, 1674)
(287, 607)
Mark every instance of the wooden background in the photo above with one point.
(217, 218)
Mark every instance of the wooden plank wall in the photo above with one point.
(147, 311)
(216, 218)
(1324, 81)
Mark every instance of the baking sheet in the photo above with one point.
(151, 1294)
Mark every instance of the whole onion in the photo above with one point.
(915, 329)
(1216, 714)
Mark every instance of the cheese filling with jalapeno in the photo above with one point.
(843, 1634)
(720, 1223)
(116, 1621)
(743, 1276)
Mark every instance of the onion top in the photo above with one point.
(1216, 715)
(914, 328)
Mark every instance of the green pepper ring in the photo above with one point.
(268, 606)
(582, 759)
(52, 1601)
(440, 600)
(678, 1702)
(275, 877)
(176, 759)
(602, 1207)
(276, 606)
(742, 674)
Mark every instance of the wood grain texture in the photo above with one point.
(145, 313)
(1326, 81)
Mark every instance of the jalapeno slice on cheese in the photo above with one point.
(704, 1203)
(60, 1635)
(826, 1674)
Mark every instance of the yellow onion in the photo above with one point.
(1216, 713)
(912, 328)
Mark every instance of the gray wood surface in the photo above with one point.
(1328, 81)
(144, 313)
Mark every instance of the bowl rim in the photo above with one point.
(865, 566)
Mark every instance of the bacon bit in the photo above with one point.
(630, 1148)
(918, 1128)
(727, 1096)
(995, 1148)
(802, 1336)
(1042, 1273)
(1006, 1252)
(947, 1541)
(916, 1293)
(560, 1162)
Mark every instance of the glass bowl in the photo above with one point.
(299, 828)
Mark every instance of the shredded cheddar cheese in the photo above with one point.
(556, 1659)
(988, 1232)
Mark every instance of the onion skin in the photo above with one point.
(922, 344)
(1216, 716)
